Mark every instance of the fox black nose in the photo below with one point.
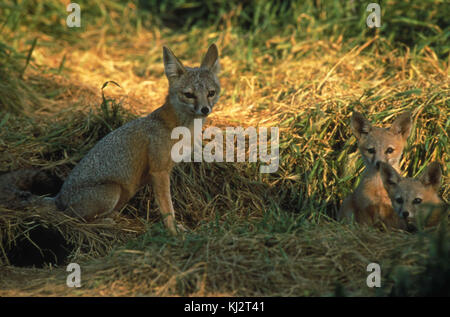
(205, 110)
(405, 214)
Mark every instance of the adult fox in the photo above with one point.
(139, 152)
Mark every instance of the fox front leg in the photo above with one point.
(161, 188)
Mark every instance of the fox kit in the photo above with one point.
(370, 201)
(411, 198)
(138, 153)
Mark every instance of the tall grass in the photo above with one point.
(303, 66)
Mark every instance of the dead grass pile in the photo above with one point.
(230, 260)
(35, 236)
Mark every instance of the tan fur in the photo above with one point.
(415, 199)
(139, 152)
(370, 202)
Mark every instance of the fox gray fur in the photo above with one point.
(139, 152)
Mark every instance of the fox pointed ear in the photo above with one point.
(432, 176)
(389, 175)
(402, 125)
(172, 66)
(211, 59)
(360, 125)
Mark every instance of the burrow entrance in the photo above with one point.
(39, 245)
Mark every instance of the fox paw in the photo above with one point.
(107, 221)
(23, 194)
(181, 228)
(177, 229)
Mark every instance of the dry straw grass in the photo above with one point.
(93, 239)
(310, 261)
(250, 234)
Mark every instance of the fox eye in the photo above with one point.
(211, 93)
(399, 200)
(189, 95)
(391, 182)
(417, 201)
(389, 150)
(371, 150)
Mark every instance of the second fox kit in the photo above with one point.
(138, 153)
(370, 201)
(412, 198)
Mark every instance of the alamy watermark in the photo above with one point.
(74, 278)
(374, 18)
(74, 18)
(213, 151)
(374, 278)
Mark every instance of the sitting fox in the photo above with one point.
(370, 202)
(139, 152)
(415, 199)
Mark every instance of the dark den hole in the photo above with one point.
(48, 247)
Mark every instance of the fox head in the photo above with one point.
(410, 195)
(193, 90)
(381, 144)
